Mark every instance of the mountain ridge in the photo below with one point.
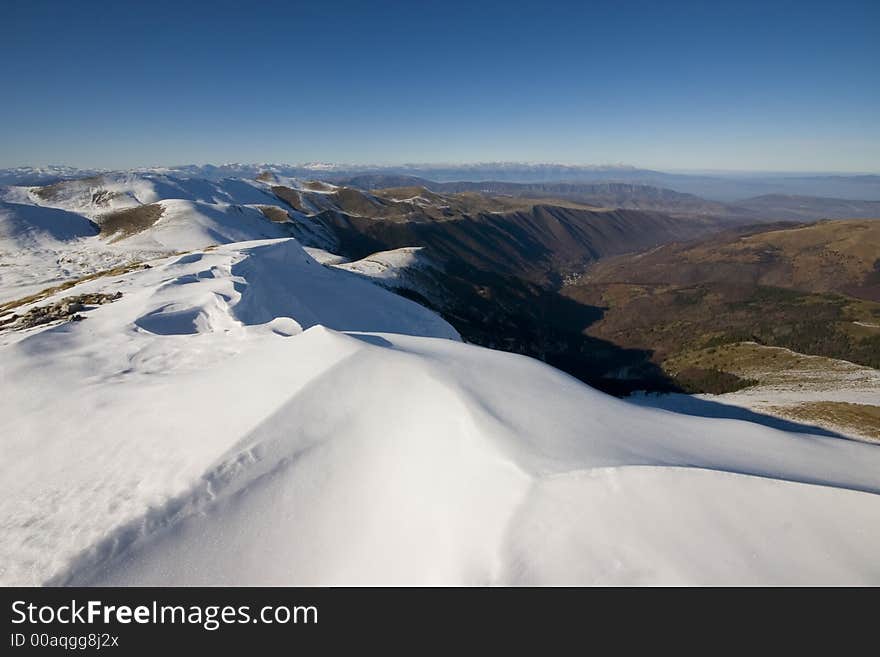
(723, 187)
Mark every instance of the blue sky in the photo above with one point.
(672, 85)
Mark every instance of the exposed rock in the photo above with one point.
(66, 309)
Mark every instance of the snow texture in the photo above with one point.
(246, 415)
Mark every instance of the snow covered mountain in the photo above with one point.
(219, 407)
(60, 232)
(42, 175)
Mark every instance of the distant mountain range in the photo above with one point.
(725, 187)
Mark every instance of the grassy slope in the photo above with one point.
(793, 287)
(810, 389)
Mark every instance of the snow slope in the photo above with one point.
(42, 246)
(29, 226)
(245, 415)
(186, 225)
(48, 235)
(114, 191)
(407, 268)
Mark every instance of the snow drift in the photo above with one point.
(246, 415)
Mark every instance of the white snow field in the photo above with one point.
(246, 415)
(49, 235)
(41, 246)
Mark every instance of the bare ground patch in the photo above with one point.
(289, 196)
(124, 223)
(317, 186)
(9, 306)
(274, 213)
(862, 419)
(66, 309)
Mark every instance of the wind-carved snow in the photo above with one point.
(246, 415)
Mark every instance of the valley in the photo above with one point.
(740, 314)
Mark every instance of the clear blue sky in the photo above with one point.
(697, 85)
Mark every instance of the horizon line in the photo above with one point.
(342, 165)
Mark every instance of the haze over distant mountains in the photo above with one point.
(717, 186)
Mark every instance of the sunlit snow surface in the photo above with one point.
(51, 238)
(245, 415)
